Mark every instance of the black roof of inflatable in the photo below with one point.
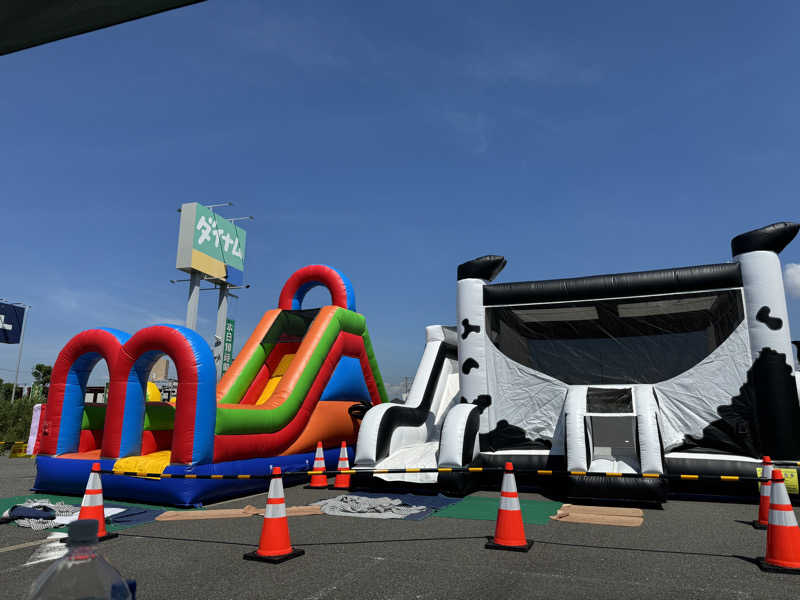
(641, 283)
(773, 237)
(485, 267)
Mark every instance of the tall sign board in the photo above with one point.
(227, 349)
(211, 245)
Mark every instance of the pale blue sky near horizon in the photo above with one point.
(392, 141)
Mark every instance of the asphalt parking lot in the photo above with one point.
(687, 549)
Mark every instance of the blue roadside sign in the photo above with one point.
(11, 318)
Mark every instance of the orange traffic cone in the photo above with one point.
(509, 533)
(342, 481)
(765, 490)
(319, 481)
(275, 545)
(92, 504)
(783, 534)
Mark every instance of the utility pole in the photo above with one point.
(193, 303)
(19, 355)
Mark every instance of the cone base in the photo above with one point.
(108, 536)
(758, 525)
(274, 559)
(765, 566)
(316, 487)
(491, 545)
(334, 487)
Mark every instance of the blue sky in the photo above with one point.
(393, 141)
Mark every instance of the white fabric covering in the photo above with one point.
(690, 401)
(625, 464)
(35, 417)
(705, 456)
(526, 398)
(418, 455)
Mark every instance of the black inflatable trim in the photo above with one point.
(485, 267)
(642, 283)
(24, 24)
(773, 238)
(470, 433)
(405, 416)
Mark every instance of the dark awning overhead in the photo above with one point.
(27, 23)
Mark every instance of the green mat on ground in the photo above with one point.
(6, 503)
(536, 512)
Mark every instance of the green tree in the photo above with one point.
(41, 375)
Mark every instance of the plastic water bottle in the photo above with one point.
(82, 573)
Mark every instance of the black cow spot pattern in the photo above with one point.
(762, 316)
(469, 329)
(468, 365)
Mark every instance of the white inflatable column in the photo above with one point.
(765, 303)
(575, 409)
(777, 410)
(472, 376)
(647, 428)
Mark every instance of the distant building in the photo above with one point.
(160, 371)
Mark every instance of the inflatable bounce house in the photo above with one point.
(303, 376)
(677, 371)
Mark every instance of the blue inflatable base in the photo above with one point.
(68, 476)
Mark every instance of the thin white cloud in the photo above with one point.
(302, 42)
(791, 279)
(535, 66)
(473, 128)
(105, 310)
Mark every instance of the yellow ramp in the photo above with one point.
(273, 382)
(155, 462)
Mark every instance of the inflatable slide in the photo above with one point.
(405, 435)
(303, 376)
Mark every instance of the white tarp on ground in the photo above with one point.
(690, 401)
(524, 397)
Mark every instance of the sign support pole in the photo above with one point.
(194, 300)
(219, 336)
(19, 354)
